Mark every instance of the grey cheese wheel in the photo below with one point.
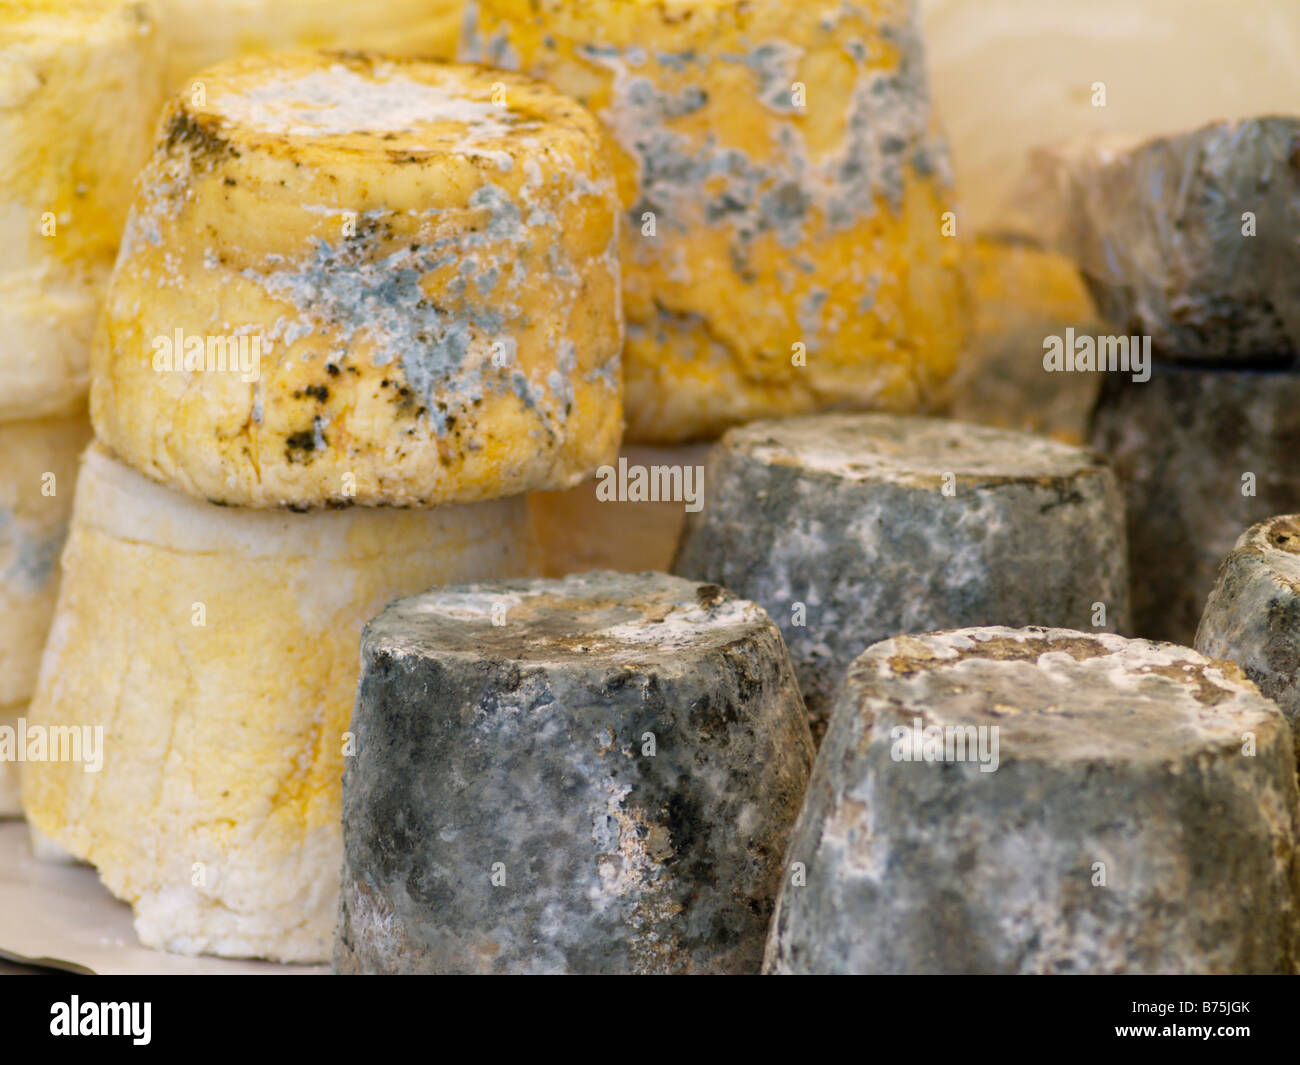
(1135, 811)
(1253, 614)
(594, 775)
(1201, 455)
(853, 528)
(1190, 239)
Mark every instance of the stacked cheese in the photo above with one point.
(79, 90)
(200, 33)
(346, 280)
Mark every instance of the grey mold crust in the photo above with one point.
(524, 744)
(1253, 614)
(1181, 444)
(847, 515)
(1114, 751)
(1158, 234)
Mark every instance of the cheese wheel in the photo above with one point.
(996, 800)
(626, 518)
(1201, 453)
(1189, 238)
(200, 33)
(851, 528)
(355, 280)
(1252, 616)
(79, 92)
(216, 648)
(593, 775)
(784, 189)
(38, 469)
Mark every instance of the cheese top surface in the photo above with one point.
(625, 617)
(427, 256)
(904, 450)
(1058, 695)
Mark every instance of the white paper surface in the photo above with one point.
(63, 912)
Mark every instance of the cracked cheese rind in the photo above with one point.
(775, 225)
(79, 93)
(223, 740)
(428, 250)
(38, 469)
(200, 33)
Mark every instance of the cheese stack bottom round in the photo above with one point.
(38, 469)
(205, 659)
(995, 800)
(1253, 614)
(627, 518)
(1202, 453)
(592, 775)
(849, 529)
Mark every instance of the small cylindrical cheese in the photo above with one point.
(208, 655)
(996, 800)
(628, 517)
(789, 238)
(38, 471)
(1190, 239)
(200, 33)
(355, 280)
(850, 528)
(593, 775)
(80, 88)
(1202, 453)
(1253, 614)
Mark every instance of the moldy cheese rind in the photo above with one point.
(787, 159)
(426, 255)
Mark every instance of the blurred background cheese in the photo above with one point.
(217, 647)
(80, 88)
(200, 33)
(426, 258)
(38, 469)
(786, 156)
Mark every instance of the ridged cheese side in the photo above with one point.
(200, 33)
(38, 471)
(80, 89)
(778, 221)
(428, 254)
(223, 741)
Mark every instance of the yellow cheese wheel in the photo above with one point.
(355, 280)
(200, 33)
(784, 187)
(217, 649)
(38, 469)
(80, 88)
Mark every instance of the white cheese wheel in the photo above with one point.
(217, 649)
(38, 469)
(350, 279)
(200, 33)
(80, 88)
